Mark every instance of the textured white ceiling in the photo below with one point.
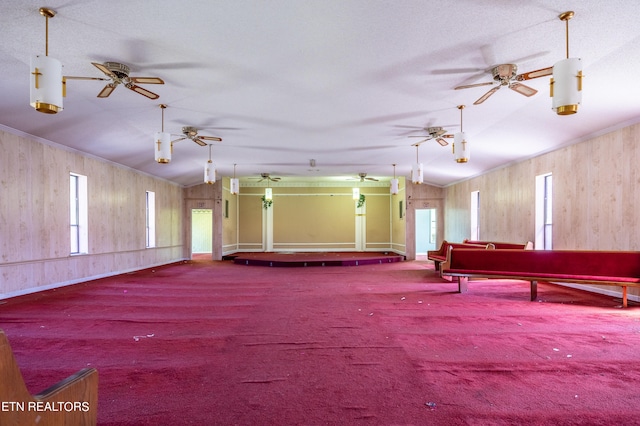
(343, 82)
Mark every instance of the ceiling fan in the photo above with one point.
(362, 177)
(507, 75)
(437, 133)
(266, 176)
(119, 74)
(190, 132)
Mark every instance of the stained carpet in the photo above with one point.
(207, 342)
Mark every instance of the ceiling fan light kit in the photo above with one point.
(46, 77)
(566, 83)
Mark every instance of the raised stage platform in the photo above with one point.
(314, 259)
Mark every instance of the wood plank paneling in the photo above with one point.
(34, 217)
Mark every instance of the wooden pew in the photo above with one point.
(612, 268)
(73, 401)
(440, 255)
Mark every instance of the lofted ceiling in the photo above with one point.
(342, 82)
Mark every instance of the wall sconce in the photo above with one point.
(460, 140)
(164, 147)
(46, 77)
(566, 83)
(209, 170)
(394, 182)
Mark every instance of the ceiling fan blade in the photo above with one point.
(486, 96)
(523, 89)
(473, 85)
(372, 179)
(420, 136)
(105, 70)
(70, 77)
(142, 91)
(534, 74)
(146, 80)
(276, 179)
(179, 139)
(199, 141)
(211, 138)
(442, 142)
(421, 142)
(106, 90)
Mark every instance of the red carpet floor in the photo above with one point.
(207, 343)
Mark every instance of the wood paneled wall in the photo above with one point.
(34, 217)
(596, 200)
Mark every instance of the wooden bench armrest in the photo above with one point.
(72, 401)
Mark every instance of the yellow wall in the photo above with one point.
(312, 217)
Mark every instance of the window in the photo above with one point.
(150, 219)
(544, 212)
(548, 204)
(475, 216)
(78, 216)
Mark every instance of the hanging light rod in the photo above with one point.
(566, 16)
(47, 13)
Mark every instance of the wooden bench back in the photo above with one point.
(498, 244)
(75, 398)
(582, 262)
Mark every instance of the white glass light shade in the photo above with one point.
(46, 84)
(416, 173)
(460, 147)
(268, 194)
(394, 186)
(163, 147)
(235, 186)
(209, 173)
(566, 86)
(356, 193)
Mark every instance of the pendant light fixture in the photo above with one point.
(268, 193)
(356, 193)
(164, 147)
(209, 170)
(46, 77)
(235, 183)
(394, 182)
(460, 143)
(566, 83)
(416, 171)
